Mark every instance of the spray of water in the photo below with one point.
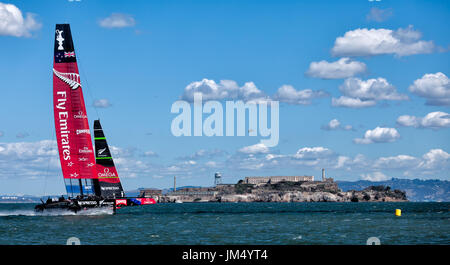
(57, 212)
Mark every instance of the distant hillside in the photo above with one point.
(24, 198)
(135, 193)
(416, 189)
(179, 188)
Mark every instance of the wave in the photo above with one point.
(56, 212)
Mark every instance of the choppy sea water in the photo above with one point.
(232, 223)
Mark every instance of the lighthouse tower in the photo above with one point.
(323, 174)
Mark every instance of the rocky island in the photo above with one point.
(285, 191)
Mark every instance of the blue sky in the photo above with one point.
(137, 58)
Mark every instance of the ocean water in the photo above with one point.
(232, 223)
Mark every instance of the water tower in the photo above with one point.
(174, 183)
(217, 178)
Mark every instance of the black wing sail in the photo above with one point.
(108, 185)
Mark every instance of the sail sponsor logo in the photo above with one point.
(82, 159)
(60, 39)
(109, 188)
(85, 150)
(87, 202)
(61, 100)
(106, 174)
(83, 131)
(72, 79)
(80, 115)
(121, 202)
(63, 115)
(146, 200)
(101, 151)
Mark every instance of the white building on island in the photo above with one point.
(275, 179)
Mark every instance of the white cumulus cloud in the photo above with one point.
(290, 95)
(335, 124)
(343, 68)
(433, 120)
(369, 42)
(102, 103)
(117, 20)
(435, 162)
(230, 90)
(225, 89)
(400, 161)
(379, 135)
(435, 159)
(435, 88)
(13, 23)
(349, 102)
(371, 89)
(359, 93)
(26, 150)
(259, 148)
(312, 152)
(28, 159)
(375, 176)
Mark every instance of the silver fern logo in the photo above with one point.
(72, 79)
(100, 151)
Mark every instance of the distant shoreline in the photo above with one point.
(417, 190)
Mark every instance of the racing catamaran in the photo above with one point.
(91, 181)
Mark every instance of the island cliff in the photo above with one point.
(285, 191)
